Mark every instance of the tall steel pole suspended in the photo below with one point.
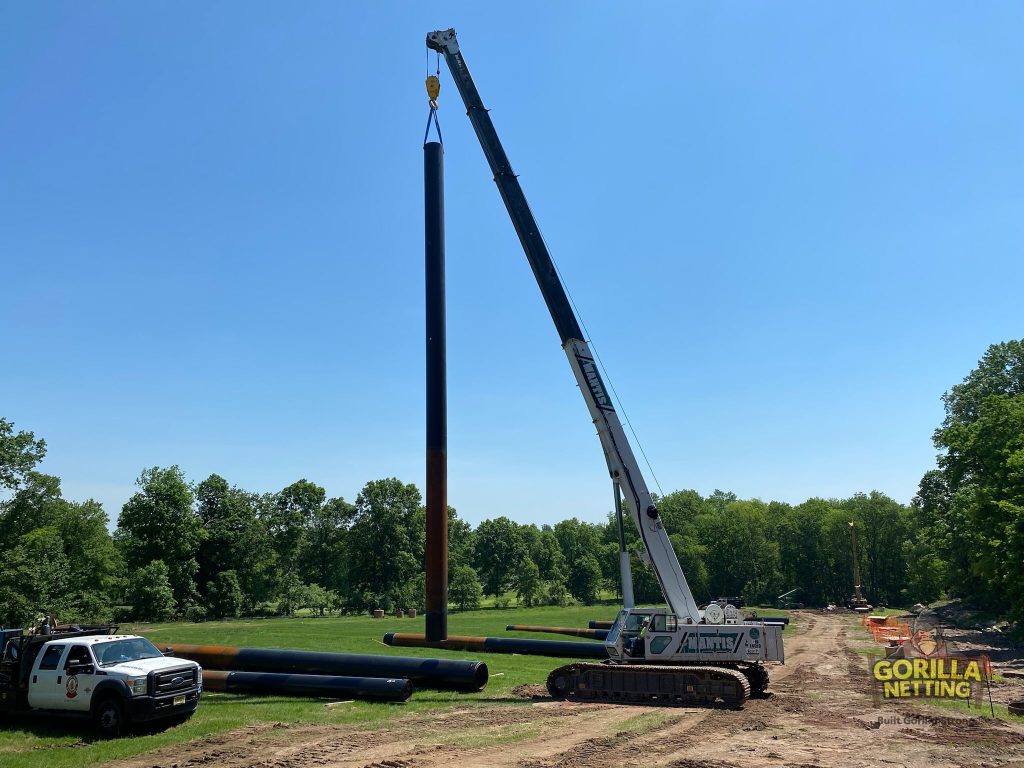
(436, 565)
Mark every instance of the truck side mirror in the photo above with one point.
(80, 669)
(168, 651)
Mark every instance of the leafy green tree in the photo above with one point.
(972, 507)
(464, 589)
(556, 593)
(500, 553)
(319, 600)
(837, 575)
(679, 510)
(883, 526)
(19, 454)
(927, 572)
(461, 540)
(35, 579)
(581, 544)
(744, 561)
(150, 593)
(719, 501)
(235, 539)
(290, 518)
(527, 584)
(1000, 372)
(802, 558)
(985, 464)
(90, 566)
(293, 593)
(585, 579)
(324, 552)
(386, 543)
(224, 595)
(546, 552)
(159, 523)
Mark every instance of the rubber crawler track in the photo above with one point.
(633, 683)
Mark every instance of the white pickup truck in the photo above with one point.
(117, 680)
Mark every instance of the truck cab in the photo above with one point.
(114, 679)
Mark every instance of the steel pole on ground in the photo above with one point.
(427, 673)
(312, 686)
(436, 564)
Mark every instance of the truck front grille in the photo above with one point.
(167, 682)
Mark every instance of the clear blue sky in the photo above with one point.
(789, 227)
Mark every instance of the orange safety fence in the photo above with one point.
(886, 633)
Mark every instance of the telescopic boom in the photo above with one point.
(622, 464)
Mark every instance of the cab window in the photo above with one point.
(663, 623)
(659, 643)
(78, 655)
(51, 658)
(634, 621)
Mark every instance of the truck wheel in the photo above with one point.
(109, 718)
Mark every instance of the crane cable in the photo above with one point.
(433, 90)
(607, 378)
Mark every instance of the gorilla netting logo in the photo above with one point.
(924, 664)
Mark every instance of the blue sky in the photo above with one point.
(789, 228)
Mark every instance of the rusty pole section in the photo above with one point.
(594, 634)
(581, 649)
(437, 402)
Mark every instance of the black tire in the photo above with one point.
(109, 717)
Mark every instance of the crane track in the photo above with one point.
(634, 683)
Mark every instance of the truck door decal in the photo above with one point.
(72, 687)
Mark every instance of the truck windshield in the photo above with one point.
(120, 651)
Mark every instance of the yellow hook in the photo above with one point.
(433, 89)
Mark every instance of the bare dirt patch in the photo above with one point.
(820, 713)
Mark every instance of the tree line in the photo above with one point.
(210, 549)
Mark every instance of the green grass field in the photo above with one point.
(35, 743)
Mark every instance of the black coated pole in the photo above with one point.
(437, 406)
(429, 673)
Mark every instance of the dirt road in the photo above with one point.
(820, 714)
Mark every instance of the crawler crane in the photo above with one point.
(678, 655)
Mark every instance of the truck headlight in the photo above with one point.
(199, 677)
(137, 687)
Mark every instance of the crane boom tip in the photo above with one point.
(443, 41)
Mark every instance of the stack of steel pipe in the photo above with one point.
(558, 648)
(451, 674)
(594, 634)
